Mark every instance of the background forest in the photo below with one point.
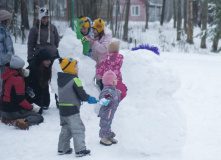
(186, 15)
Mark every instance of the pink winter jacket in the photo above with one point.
(113, 61)
(99, 47)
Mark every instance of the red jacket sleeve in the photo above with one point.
(20, 94)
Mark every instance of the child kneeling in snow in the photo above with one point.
(16, 110)
(113, 61)
(71, 93)
(106, 113)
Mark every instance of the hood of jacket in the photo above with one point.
(64, 78)
(8, 73)
(114, 59)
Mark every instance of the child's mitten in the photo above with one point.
(92, 100)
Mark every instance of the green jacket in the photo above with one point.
(70, 93)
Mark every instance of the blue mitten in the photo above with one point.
(92, 100)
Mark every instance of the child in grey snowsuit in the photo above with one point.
(71, 93)
(106, 113)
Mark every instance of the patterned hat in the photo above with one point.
(86, 22)
(43, 12)
(99, 25)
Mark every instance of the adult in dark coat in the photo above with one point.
(38, 79)
(43, 36)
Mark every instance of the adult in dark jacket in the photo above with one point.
(38, 79)
(43, 36)
(15, 108)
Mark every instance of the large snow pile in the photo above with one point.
(148, 119)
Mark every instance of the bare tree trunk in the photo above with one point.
(24, 17)
(46, 2)
(35, 3)
(108, 11)
(168, 10)
(215, 43)
(68, 11)
(93, 10)
(52, 11)
(179, 20)
(190, 21)
(174, 13)
(14, 24)
(16, 4)
(195, 12)
(111, 17)
(147, 13)
(77, 8)
(162, 14)
(125, 36)
(204, 7)
(117, 11)
(185, 15)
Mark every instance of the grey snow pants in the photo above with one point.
(72, 127)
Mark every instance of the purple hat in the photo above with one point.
(4, 15)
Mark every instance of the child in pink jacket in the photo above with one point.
(113, 61)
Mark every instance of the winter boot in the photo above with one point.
(82, 153)
(20, 123)
(105, 142)
(67, 152)
(113, 140)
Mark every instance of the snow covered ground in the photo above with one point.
(172, 110)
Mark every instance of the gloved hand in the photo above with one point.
(26, 72)
(86, 38)
(30, 60)
(83, 39)
(36, 108)
(92, 100)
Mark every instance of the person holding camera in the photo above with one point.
(16, 110)
(37, 83)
